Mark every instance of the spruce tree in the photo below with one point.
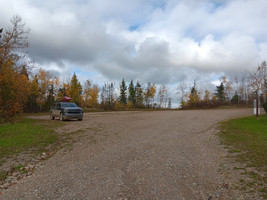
(220, 94)
(123, 95)
(132, 94)
(139, 95)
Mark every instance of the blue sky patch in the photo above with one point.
(133, 28)
(216, 5)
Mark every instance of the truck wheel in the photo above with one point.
(51, 116)
(61, 118)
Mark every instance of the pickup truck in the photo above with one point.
(66, 110)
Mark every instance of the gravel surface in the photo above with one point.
(135, 155)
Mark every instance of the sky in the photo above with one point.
(158, 41)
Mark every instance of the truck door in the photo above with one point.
(58, 109)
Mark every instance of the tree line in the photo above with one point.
(242, 91)
(22, 90)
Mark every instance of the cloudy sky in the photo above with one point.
(159, 41)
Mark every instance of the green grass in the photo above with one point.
(25, 134)
(247, 141)
(248, 138)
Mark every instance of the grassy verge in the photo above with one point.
(25, 134)
(247, 140)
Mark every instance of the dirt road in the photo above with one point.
(135, 155)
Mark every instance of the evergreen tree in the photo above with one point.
(123, 96)
(132, 94)
(139, 95)
(220, 94)
(235, 99)
(75, 90)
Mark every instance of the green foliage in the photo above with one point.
(123, 95)
(132, 94)
(220, 92)
(139, 95)
(235, 99)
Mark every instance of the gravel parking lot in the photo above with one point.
(136, 155)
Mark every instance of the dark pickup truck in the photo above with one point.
(66, 110)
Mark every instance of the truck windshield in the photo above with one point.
(63, 105)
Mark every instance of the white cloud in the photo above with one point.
(161, 41)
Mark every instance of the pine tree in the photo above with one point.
(235, 99)
(220, 94)
(139, 95)
(132, 94)
(123, 96)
